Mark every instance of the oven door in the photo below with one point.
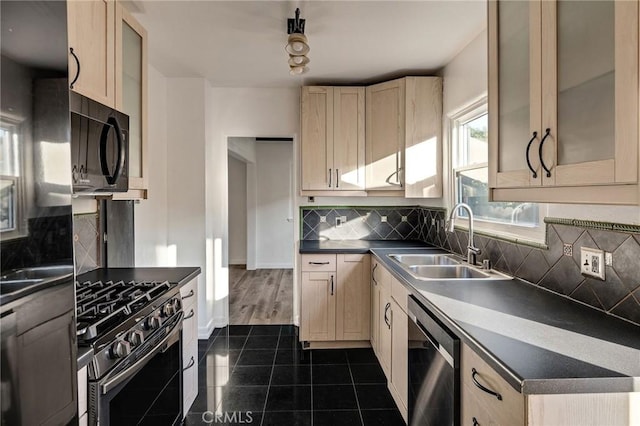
(147, 389)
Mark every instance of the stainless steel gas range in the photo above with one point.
(134, 330)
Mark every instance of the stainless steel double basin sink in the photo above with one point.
(443, 267)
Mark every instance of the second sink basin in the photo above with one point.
(443, 267)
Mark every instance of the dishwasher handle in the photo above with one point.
(435, 332)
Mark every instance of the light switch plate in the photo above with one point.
(592, 262)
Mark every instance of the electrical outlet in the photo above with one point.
(433, 221)
(592, 262)
(339, 222)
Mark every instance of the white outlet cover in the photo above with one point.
(592, 262)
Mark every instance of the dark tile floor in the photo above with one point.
(259, 375)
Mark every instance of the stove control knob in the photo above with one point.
(171, 307)
(153, 322)
(135, 338)
(120, 349)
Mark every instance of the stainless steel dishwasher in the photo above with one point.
(434, 370)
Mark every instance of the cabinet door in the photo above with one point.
(423, 138)
(91, 27)
(514, 93)
(590, 92)
(384, 338)
(53, 340)
(316, 147)
(385, 135)
(353, 313)
(375, 306)
(318, 306)
(131, 91)
(348, 138)
(399, 355)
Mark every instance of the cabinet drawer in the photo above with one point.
(82, 391)
(472, 409)
(190, 324)
(189, 294)
(318, 263)
(400, 294)
(510, 409)
(189, 375)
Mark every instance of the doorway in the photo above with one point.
(261, 234)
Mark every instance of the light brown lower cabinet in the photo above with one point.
(335, 298)
(189, 294)
(390, 334)
(482, 408)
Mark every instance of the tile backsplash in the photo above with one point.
(360, 223)
(86, 242)
(555, 268)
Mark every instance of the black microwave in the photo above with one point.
(99, 147)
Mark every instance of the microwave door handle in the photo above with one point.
(104, 139)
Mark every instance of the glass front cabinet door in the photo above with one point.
(564, 101)
(131, 95)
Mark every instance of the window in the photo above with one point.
(470, 154)
(10, 180)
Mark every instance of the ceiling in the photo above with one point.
(241, 43)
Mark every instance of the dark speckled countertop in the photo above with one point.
(538, 341)
(354, 246)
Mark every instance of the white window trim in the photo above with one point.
(520, 233)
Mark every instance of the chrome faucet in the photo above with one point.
(472, 250)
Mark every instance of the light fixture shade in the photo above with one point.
(297, 45)
(297, 70)
(296, 61)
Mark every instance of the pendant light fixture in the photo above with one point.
(297, 46)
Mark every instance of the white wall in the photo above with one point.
(150, 216)
(465, 81)
(275, 233)
(238, 212)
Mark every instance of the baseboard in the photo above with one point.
(237, 261)
(274, 266)
(205, 332)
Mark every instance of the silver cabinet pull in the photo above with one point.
(191, 294)
(386, 320)
(189, 315)
(192, 362)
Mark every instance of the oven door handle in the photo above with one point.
(137, 366)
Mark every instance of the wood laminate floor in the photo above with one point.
(263, 296)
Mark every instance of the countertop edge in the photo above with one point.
(84, 357)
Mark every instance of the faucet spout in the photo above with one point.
(472, 250)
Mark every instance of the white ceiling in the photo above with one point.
(241, 43)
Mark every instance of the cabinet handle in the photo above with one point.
(535, 174)
(192, 362)
(386, 320)
(388, 179)
(337, 178)
(329, 178)
(474, 373)
(190, 315)
(546, 169)
(319, 263)
(77, 68)
(332, 285)
(373, 274)
(475, 422)
(191, 294)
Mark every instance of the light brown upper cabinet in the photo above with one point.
(564, 101)
(332, 145)
(108, 63)
(131, 95)
(404, 137)
(91, 29)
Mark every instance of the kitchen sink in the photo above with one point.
(443, 267)
(425, 259)
(41, 273)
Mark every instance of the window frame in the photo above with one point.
(520, 232)
(19, 229)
